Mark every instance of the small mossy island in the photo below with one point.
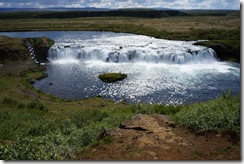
(112, 77)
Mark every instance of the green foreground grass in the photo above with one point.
(28, 133)
(37, 126)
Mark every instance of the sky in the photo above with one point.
(174, 4)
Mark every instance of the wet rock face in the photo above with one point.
(225, 49)
(14, 49)
(41, 47)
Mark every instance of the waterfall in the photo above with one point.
(159, 71)
(131, 49)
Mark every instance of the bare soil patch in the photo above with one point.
(155, 137)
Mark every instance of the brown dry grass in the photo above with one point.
(170, 24)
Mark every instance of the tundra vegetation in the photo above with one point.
(38, 126)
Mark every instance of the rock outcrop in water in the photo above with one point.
(225, 49)
(41, 46)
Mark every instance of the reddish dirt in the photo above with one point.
(155, 137)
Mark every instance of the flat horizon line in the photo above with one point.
(155, 8)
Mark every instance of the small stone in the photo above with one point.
(32, 81)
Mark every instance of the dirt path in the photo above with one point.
(155, 137)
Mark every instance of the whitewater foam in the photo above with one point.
(159, 71)
(131, 49)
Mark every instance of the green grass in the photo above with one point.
(29, 132)
(219, 115)
(28, 129)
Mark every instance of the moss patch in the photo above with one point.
(112, 77)
(225, 49)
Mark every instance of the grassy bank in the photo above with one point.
(30, 131)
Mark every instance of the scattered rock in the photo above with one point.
(166, 142)
(132, 127)
(32, 81)
(102, 134)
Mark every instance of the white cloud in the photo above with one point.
(176, 4)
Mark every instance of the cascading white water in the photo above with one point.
(130, 49)
(159, 71)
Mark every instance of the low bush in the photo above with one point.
(222, 114)
(156, 109)
(9, 102)
(36, 105)
(82, 117)
(167, 109)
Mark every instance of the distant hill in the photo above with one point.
(143, 13)
(52, 9)
(16, 13)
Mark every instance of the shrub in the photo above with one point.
(36, 105)
(9, 102)
(47, 147)
(142, 109)
(222, 114)
(21, 106)
(82, 117)
(38, 129)
(167, 110)
(153, 109)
